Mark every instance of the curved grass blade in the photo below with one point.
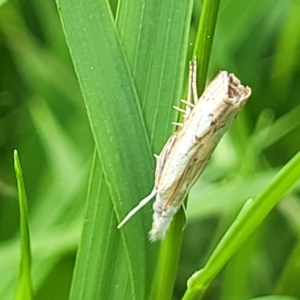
(252, 214)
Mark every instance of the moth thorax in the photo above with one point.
(162, 218)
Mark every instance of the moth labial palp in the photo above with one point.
(188, 149)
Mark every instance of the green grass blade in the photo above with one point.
(114, 114)
(274, 297)
(249, 218)
(288, 283)
(204, 39)
(2, 2)
(164, 45)
(96, 264)
(24, 289)
(136, 162)
(168, 258)
(156, 49)
(279, 129)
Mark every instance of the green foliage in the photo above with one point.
(89, 161)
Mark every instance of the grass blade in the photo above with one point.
(97, 265)
(249, 218)
(113, 133)
(204, 39)
(113, 108)
(24, 290)
(164, 45)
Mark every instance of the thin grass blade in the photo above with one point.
(24, 289)
(252, 214)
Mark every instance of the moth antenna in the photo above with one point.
(189, 91)
(177, 124)
(194, 80)
(179, 109)
(142, 203)
(192, 88)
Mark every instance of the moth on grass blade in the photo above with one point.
(187, 151)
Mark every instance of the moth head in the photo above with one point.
(237, 92)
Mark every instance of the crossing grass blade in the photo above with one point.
(130, 72)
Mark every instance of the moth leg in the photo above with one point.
(179, 109)
(194, 80)
(192, 92)
(191, 105)
(177, 124)
(142, 203)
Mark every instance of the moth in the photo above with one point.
(187, 151)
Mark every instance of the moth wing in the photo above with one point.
(189, 176)
(162, 158)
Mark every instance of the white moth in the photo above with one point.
(185, 154)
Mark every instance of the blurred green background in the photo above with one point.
(43, 116)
